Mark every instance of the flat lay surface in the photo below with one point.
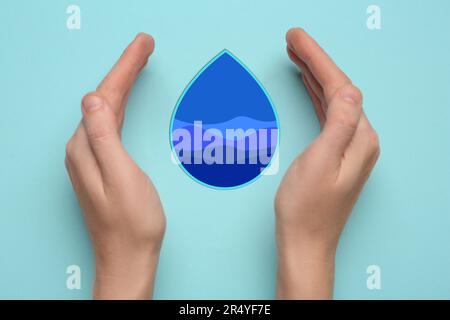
(220, 243)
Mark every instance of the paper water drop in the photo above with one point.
(224, 129)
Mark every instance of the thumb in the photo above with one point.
(342, 119)
(102, 130)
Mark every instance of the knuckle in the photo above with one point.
(99, 135)
(373, 142)
(70, 149)
(353, 91)
(87, 96)
(358, 94)
(346, 119)
(342, 114)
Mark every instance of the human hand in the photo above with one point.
(322, 185)
(121, 206)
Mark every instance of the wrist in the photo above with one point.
(306, 270)
(129, 276)
(131, 287)
(296, 239)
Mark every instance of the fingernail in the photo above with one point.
(92, 103)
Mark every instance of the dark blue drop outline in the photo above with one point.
(174, 112)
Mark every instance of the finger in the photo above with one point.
(343, 115)
(316, 102)
(362, 153)
(312, 86)
(81, 163)
(322, 67)
(117, 85)
(317, 91)
(315, 86)
(102, 133)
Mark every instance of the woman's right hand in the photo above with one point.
(322, 185)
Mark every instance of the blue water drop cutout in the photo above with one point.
(224, 129)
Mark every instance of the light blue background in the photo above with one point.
(220, 244)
